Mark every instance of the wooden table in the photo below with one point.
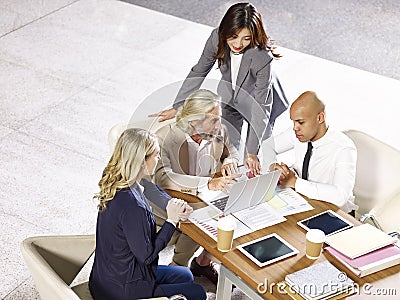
(261, 283)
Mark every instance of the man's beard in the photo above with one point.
(210, 136)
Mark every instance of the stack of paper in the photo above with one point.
(247, 220)
(364, 249)
(320, 281)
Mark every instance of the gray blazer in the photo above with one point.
(259, 98)
(173, 168)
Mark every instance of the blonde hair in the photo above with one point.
(195, 108)
(133, 147)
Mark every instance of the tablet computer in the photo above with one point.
(267, 250)
(327, 221)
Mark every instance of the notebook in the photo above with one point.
(369, 263)
(359, 240)
(244, 194)
(319, 281)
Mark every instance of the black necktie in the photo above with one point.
(306, 162)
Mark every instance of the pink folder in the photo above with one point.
(369, 258)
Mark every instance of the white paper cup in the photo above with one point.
(226, 228)
(315, 238)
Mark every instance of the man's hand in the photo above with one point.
(229, 169)
(288, 177)
(252, 163)
(220, 183)
(165, 114)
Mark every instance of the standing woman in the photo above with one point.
(249, 90)
(127, 245)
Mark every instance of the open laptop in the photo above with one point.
(244, 194)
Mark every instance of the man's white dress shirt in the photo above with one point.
(201, 163)
(332, 168)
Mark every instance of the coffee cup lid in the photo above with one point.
(226, 223)
(315, 236)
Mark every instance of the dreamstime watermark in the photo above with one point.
(367, 289)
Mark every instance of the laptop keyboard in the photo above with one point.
(220, 203)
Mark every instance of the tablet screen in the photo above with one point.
(267, 250)
(328, 221)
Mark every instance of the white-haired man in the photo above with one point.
(193, 149)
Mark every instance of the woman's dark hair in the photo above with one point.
(237, 17)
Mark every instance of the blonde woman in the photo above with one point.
(127, 245)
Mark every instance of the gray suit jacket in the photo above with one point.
(258, 97)
(173, 168)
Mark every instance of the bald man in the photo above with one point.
(329, 174)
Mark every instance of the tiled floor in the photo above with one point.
(356, 33)
(70, 70)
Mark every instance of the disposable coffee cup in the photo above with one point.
(315, 238)
(226, 227)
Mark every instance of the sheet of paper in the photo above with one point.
(260, 216)
(287, 202)
(204, 214)
(208, 224)
(277, 203)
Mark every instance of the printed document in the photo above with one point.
(287, 202)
